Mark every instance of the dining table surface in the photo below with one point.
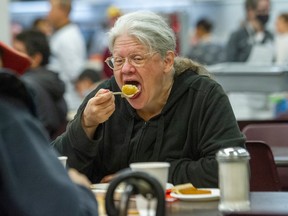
(261, 203)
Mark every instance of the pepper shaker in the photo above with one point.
(234, 179)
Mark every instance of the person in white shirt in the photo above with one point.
(67, 47)
(282, 39)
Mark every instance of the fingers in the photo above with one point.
(99, 108)
(78, 178)
(102, 96)
(108, 178)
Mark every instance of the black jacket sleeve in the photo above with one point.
(32, 179)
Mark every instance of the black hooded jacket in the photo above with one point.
(195, 123)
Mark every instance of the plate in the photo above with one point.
(215, 194)
(102, 187)
(169, 186)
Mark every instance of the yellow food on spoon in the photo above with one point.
(188, 189)
(129, 89)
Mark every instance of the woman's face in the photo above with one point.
(150, 78)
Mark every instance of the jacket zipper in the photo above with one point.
(140, 140)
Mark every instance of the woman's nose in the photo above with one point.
(127, 67)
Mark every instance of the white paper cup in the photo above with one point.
(160, 171)
(63, 160)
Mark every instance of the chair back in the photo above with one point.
(274, 134)
(264, 175)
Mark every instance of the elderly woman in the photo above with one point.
(178, 115)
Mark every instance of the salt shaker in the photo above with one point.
(234, 179)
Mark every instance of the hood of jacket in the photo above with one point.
(183, 64)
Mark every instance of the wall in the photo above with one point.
(90, 14)
(4, 22)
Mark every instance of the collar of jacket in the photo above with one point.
(183, 64)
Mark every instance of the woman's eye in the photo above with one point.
(138, 58)
(118, 61)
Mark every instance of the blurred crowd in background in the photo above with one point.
(68, 64)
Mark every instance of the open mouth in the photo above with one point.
(135, 83)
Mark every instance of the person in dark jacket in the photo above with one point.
(47, 87)
(179, 115)
(252, 42)
(32, 180)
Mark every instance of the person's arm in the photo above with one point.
(80, 149)
(33, 180)
(217, 129)
(98, 110)
(81, 141)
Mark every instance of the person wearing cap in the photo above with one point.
(32, 180)
(99, 44)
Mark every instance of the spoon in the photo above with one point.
(123, 94)
(128, 91)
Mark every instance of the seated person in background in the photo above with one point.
(282, 39)
(32, 180)
(179, 115)
(45, 84)
(204, 49)
(87, 81)
(99, 43)
(252, 42)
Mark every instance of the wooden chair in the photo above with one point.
(264, 175)
(274, 134)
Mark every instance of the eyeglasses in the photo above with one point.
(137, 60)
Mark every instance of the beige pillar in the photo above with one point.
(5, 31)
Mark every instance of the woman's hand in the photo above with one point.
(108, 178)
(79, 178)
(98, 110)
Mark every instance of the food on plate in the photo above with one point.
(129, 89)
(188, 189)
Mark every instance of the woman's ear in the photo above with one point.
(169, 61)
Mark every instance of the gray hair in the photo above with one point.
(149, 28)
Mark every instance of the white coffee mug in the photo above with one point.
(63, 160)
(160, 171)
